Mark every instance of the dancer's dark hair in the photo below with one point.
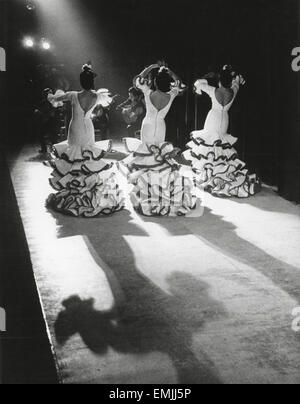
(225, 77)
(87, 77)
(163, 80)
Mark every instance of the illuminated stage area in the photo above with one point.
(130, 299)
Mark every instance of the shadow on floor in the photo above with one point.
(39, 158)
(262, 201)
(222, 235)
(146, 318)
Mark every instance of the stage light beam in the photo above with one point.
(77, 30)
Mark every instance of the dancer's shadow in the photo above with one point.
(222, 235)
(151, 322)
(39, 158)
(145, 318)
(262, 201)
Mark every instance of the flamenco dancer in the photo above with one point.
(86, 185)
(211, 150)
(161, 186)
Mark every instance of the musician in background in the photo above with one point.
(133, 111)
(101, 119)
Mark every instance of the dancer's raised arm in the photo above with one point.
(148, 70)
(237, 82)
(202, 85)
(140, 81)
(178, 83)
(174, 76)
(60, 96)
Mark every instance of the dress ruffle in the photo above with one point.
(220, 171)
(161, 187)
(86, 184)
(104, 97)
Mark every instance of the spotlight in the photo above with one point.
(45, 44)
(30, 6)
(28, 42)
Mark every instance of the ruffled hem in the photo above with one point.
(161, 187)
(86, 185)
(219, 169)
(239, 184)
(78, 154)
(211, 139)
(143, 157)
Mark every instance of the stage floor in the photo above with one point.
(129, 299)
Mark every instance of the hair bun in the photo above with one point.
(87, 69)
(228, 68)
(163, 70)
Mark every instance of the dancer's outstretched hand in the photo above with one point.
(241, 80)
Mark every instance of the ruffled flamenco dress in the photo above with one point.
(220, 171)
(212, 154)
(160, 186)
(86, 184)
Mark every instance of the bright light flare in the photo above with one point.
(28, 42)
(45, 44)
(30, 6)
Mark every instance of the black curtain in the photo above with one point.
(3, 73)
(289, 83)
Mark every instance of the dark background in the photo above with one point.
(195, 37)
